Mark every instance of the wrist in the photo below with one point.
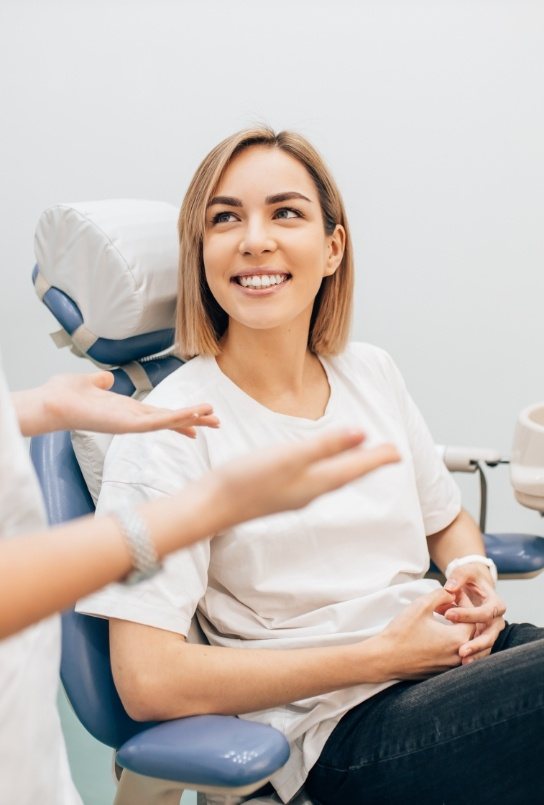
(481, 566)
(374, 659)
(194, 513)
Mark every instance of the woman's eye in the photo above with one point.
(223, 218)
(287, 212)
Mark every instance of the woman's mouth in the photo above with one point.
(259, 281)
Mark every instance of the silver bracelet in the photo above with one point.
(465, 560)
(145, 560)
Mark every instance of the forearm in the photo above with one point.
(159, 676)
(461, 538)
(173, 679)
(44, 572)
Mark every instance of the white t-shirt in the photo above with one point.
(33, 763)
(333, 573)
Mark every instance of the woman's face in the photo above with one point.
(265, 247)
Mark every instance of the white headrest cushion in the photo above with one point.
(116, 259)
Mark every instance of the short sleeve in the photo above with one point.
(439, 495)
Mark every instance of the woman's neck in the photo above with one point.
(276, 368)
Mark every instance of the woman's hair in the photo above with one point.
(200, 321)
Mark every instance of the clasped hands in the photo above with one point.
(475, 602)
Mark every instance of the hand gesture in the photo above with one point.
(83, 401)
(476, 602)
(290, 476)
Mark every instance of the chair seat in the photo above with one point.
(206, 750)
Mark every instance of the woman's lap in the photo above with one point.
(475, 733)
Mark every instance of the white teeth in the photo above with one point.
(262, 280)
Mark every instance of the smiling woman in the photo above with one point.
(320, 623)
(259, 237)
(299, 205)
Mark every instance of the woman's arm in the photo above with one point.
(68, 402)
(460, 538)
(159, 676)
(44, 572)
(477, 601)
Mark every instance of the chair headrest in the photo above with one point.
(107, 270)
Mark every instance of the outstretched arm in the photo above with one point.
(67, 402)
(44, 572)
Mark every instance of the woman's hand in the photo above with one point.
(476, 602)
(68, 402)
(419, 643)
(290, 476)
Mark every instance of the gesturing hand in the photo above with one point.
(477, 602)
(290, 476)
(83, 401)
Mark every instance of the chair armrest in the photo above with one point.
(516, 555)
(222, 751)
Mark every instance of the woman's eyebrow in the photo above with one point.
(276, 199)
(228, 201)
(231, 201)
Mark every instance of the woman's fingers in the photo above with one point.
(290, 476)
(208, 421)
(436, 601)
(338, 458)
(365, 460)
(478, 656)
(482, 614)
(480, 646)
(329, 445)
(180, 420)
(85, 401)
(102, 380)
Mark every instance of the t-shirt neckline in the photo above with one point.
(251, 403)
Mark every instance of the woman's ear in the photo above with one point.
(335, 253)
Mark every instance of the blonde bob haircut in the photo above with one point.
(200, 321)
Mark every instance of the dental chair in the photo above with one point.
(107, 271)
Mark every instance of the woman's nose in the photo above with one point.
(256, 239)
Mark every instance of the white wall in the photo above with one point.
(430, 113)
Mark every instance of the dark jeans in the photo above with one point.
(474, 734)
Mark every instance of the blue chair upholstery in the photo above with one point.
(104, 350)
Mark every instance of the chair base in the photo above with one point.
(136, 789)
